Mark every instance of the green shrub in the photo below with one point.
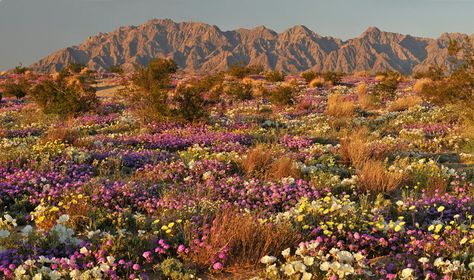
(63, 98)
(388, 85)
(16, 89)
(115, 69)
(239, 70)
(148, 96)
(333, 77)
(189, 103)
(282, 95)
(239, 91)
(309, 76)
(275, 76)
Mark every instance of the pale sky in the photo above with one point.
(32, 29)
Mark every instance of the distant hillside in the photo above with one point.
(199, 47)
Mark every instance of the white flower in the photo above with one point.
(289, 269)
(26, 230)
(438, 262)
(63, 219)
(299, 266)
(4, 233)
(75, 274)
(84, 251)
(306, 276)
(38, 276)
(268, 260)
(110, 259)
(308, 261)
(407, 273)
(19, 271)
(324, 266)
(423, 260)
(286, 253)
(54, 275)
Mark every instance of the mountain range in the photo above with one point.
(198, 47)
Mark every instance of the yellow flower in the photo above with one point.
(438, 228)
(80, 196)
(441, 208)
(300, 218)
(464, 240)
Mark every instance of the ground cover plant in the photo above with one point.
(242, 175)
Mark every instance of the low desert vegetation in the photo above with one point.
(234, 175)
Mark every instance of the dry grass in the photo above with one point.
(284, 167)
(361, 74)
(404, 103)
(338, 107)
(419, 84)
(354, 149)
(257, 161)
(246, 239)
(317, 82)
(362, 89)
(373, 176)
(262, 162)
(63, 133)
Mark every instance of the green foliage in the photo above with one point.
(283, 95)
(62, 98)
(149, 98)
(239, 70)
(175, 270)
(189, 101)
(239, 91)
(388, 85)
(333, 77)
(275, 76)
(20, 69)
(75, 68)
(115, 69)
(434, 73)
(308, 76)
(459, 86)
(17, 89)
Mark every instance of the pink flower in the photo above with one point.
(218, 266)
(136, 266)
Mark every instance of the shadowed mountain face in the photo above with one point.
(199, 47)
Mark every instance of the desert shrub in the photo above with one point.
(257, 161)
(75, 68)
(148, 94)
(459, 86)
(20, 69)
(434, 73)
(239, 70)
(404, 103)
(115, 69)
(333, 77)
(388, 84)
(339, 107)
(18, 89)
(282, 95)
(374, 177)
(63, 98)
(275, 76)
(189, 103)
(241, 238)
(420, 83)
(309, 76)
(317, 82)
(239, 91)
(284, 167)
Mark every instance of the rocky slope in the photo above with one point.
(199, 47)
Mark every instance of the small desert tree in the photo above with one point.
(18, 89)
(189, 103)
(148, 95)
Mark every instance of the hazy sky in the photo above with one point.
(31, 29)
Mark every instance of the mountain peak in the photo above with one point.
(372, 30)
(200, 47)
